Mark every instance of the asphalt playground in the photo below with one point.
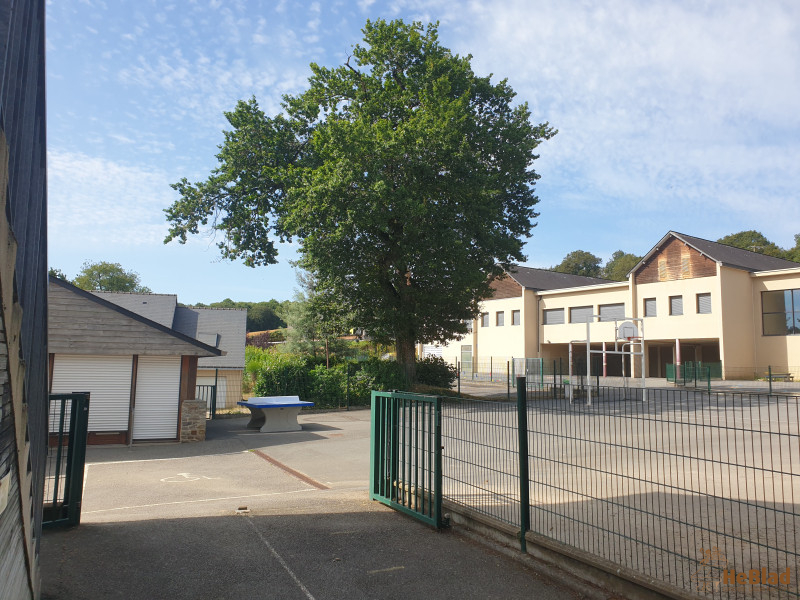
(264, 515)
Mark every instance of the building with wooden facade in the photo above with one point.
(699, 301)
(23, 295)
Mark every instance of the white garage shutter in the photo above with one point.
(107, 378)
(158, 382)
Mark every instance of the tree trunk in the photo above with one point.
(406, 357)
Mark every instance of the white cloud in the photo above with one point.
(94, 201)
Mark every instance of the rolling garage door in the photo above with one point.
(158, 381)
(107, 378)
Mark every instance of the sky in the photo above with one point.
(671, 115)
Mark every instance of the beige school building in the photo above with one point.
(698, 301)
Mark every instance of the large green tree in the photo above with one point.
(108, 277)
(580, 262)
(752, 240)
(406, 178)
(619, 265)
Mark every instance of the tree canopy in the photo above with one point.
(108, 277)
(619, 265)
(754, 241)
(580, 262)
(406, 178)
(260, 315)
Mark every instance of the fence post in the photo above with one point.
(347, 386)
(555, 381)
(708, 378)
(769, 375)
(524, 491)
(508, 381)
(491, 371)
(458, 371)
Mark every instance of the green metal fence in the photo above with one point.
(676, 492)
(66, 458)
(405, 454)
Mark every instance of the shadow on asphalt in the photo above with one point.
(369, 553)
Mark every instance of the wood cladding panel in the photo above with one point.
(675, 261)
(505, 287)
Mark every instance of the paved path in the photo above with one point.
(161, 521)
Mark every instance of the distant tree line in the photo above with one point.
(261, 316)
(581, 262)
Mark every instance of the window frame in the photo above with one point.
(672, 313)
(516, 317)
(644, 307)
(500, 318)
(553, 311)
(697, 303)
(484, 319)
(590, 315)
(794, 296)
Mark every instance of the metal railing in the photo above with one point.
(405, 455)
(66, 457)
(685, 491)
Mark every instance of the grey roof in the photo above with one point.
(156, 307)
(225, 328)
(543, 279)
(71, 317)
(729, 256)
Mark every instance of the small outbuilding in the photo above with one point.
(141, 373)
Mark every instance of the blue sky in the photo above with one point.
(671, 115)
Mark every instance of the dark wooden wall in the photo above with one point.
(505, 287)
(23, 275)
(673, 253)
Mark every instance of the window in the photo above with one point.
(516, 317)
(553, 316)
(686, 266)
(650, 307)
(780, 312)
(484, 319)
(500, 318)
(676, 305)
(703, 304)
(468, 323)
(580, 314)
(662, 269)
(612, 312)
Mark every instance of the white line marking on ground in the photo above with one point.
(89, 512)
(385, 570)
(280, 560)
(140, 460)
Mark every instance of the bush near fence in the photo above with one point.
(347, 383)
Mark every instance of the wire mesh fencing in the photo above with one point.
(697, 491)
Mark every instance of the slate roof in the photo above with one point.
(224, 328)
(729, 256)
(67, 314)
(156, 307)
(542, 279)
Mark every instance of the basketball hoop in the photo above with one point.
(627, 331)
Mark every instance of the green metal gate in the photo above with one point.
(66, 458)
(406, 454)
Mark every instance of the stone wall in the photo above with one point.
(193, 420)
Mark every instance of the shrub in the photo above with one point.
(385, 374)
(278, 374)
(434, 371)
